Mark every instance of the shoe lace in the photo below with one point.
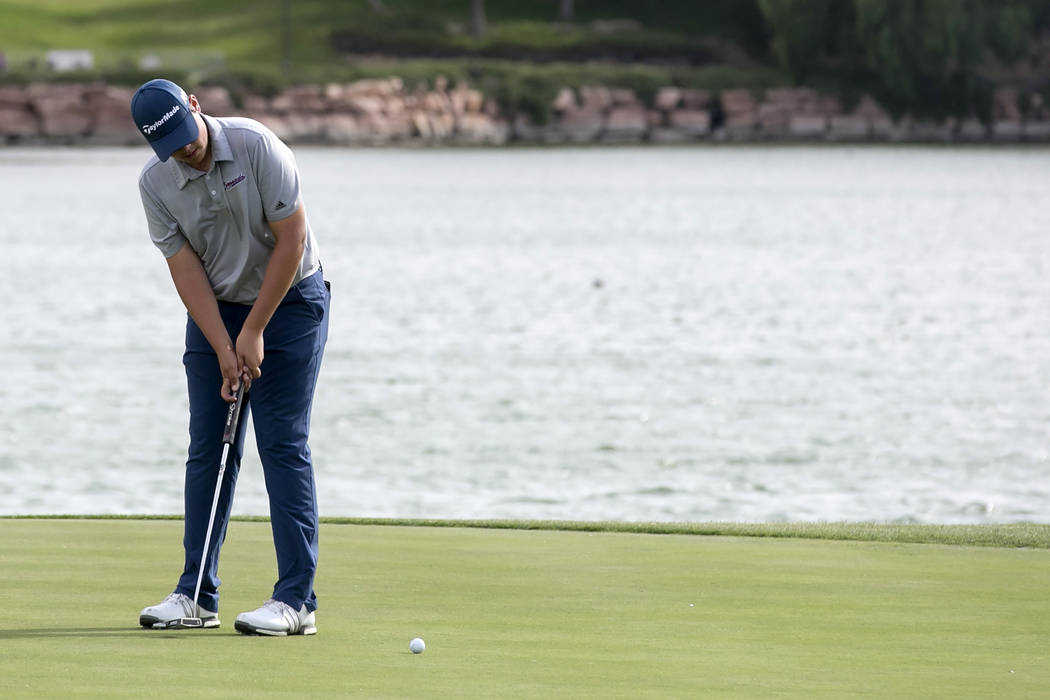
(182, 600)
(276, 606)
(284, 610)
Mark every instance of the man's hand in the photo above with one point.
(232, 376)
(250, 353)
(196, 293)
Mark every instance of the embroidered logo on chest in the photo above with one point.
(234, 182)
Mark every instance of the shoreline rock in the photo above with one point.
(384, 112)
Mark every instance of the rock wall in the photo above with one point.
(380, 112)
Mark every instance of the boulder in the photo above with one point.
(743, 125)
(437, 102)
(1037, 108)
(827, 106)
(1006, 103)
(215, 100)
(13, 96)
(930, 131)
(870, 109)
(668, 98)
(595, 98)
(394, 106)
(299, 99)
(788, 99)
(375, 128)
(1007, 130)
(306, 127)
(808, 126)
(63, 113)
(442, 125)
(366, 104)
(740, 110)
(848, 127)
(696, 99)
(277, 124)
(691, 122)
(565, 101)
(882, 128)
(474, 102)
(664, 135)
(972, 129)
(18, 122)
(421, 125)
(623, 97)
(400, 127)
(374, 87)
(334, 93)
(626, 123)
(464, 100)
(341, 129)
(582, 125)
(477, 129)
(114, 127)
(1036, 130)
(738, 103)
(527, 132)
(774, 118)
(254, 104)
(71, 92)
(110, 109)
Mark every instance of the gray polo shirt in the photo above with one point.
(223, 213)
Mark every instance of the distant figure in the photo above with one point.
(223, 205)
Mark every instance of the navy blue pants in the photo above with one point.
(279, 401)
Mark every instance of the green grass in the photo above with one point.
(252, 32)
(1031, 535)
(251, 48)
(204, 40)
(555, 611)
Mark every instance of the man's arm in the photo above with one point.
(290, 243)
(196, 293)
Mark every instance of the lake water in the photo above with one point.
(711, 333)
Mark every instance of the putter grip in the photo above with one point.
(233, 417)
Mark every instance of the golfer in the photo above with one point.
(223, 204)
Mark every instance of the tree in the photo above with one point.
(919, 56)
(477, 18)
(804, 33)
(927, 54)
(567, 12)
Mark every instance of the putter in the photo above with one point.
(233, 416)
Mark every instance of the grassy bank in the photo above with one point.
(307, 32)
(1033, 535)
(522, 62)
(530, 613)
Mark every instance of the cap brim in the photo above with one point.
(184, 133)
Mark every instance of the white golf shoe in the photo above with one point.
(276, 619)
(174, 607)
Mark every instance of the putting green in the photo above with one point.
(515, 613)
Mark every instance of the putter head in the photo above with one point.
(180, 623)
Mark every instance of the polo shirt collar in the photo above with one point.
(220, 150)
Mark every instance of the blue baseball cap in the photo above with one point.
(161, 111)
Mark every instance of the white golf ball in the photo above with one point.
(417, 646)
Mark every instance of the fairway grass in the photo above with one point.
(530, 613)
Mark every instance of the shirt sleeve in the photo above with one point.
(278, 178)
(164, 230)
